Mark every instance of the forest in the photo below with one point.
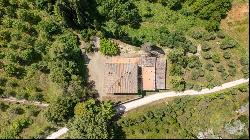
(40, 57)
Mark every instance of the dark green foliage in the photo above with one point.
(189, 86)
(15, 128)
(176, 70)
(197, 34)
(178, 83)
(92, 120)
(224, 75)
(209, 77)
(195, 74)
(244, 60)
(205, 47)
(209, 66)
(201, 72)
(108, 47)
(216, 58)
(16, 110)
(3, 106)
(86, 34)
(192, 49)
(75, 14)
(120, 11)
(197, 87)
(33, 111)
(61, 110)
(1, 92)
(28, 16)
(220, 34)
(228, 43)
(231, 64)
(245, 71)
(177, 56)
(3, 81)
(207, 55)
(194, 62)
(232, 71)
(36, 96)
(212, 25)
(243, 89)
(22, 95)
(209, 36)
(227, 55)
(220, 68)
(49, 28)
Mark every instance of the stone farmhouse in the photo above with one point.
(128, 75)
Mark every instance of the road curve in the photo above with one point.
(152, 98)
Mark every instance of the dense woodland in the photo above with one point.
(40, 58)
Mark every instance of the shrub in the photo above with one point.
(189, 85)
(86, 34)
(205, 47)
(22, 95)
(224, 75)
(245, 71)
(209, 66)
(194, 61)
(195, 74)
(209, 36)
(178, 83)
(197, 87)
(220, 34)
(244, 60)
(228, 43)
(207, 55)
(3, 106)
(209, 77)
(16, 110)
(90, 48)
(227, 55)
(197, 34)
(232, 71)
(1, 92)
(231, 64)
(3, 81)
(220, 68)
(243, 88)
(108, 47)
(201, 72)
(33, 111)
(192, 49)
(36, 96)
(176, 70)
(11, 70)
(216, 58)
(212, 25)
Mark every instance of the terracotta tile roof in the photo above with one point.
(148, 78)
(160, 73)
(121, 78)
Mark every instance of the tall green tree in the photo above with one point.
(92, 120)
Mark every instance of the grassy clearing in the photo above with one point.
(189, 116)
(11, 113)
(236, 23)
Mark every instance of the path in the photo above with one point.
(152, 98)
(12, 99)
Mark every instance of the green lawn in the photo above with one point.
(188, 116)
